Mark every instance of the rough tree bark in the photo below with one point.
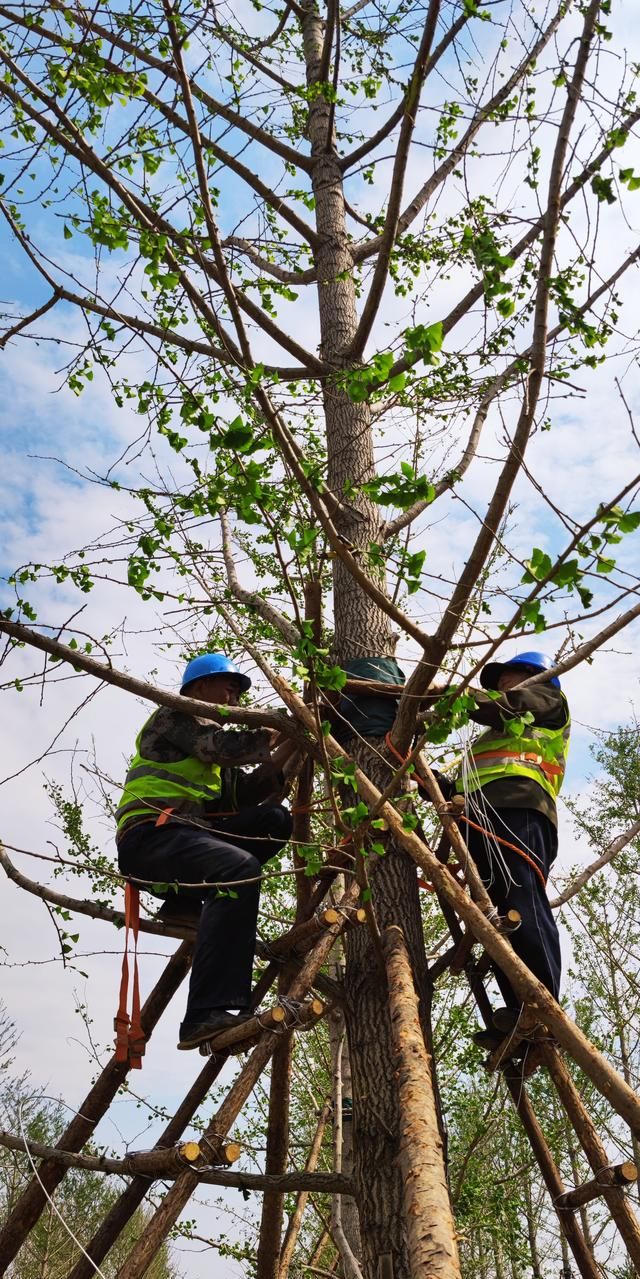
(361, 629)
(431, 1233)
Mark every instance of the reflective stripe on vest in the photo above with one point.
(150, 786)
(541, 757)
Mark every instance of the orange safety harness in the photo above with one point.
(551, 770)
(463, 818)
(130, 1039)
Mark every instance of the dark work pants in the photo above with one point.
(536, 941)
(236, 850)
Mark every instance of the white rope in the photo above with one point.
(53, 1205)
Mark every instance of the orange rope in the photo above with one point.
(483, 831)
(499, 840)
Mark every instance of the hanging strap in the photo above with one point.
(130, 1040)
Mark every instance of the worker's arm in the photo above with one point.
(546, 704)
(269, 780)
(171, 733)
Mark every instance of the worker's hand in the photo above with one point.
(284, 751)
(447, 786)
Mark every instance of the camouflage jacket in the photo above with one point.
(169, 736)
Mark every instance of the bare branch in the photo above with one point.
(147, 217)
(616, 846)
(137, 323)
(498, 384)
(410, 107)
(252, 599)
(27, 320)
(585, 651)
(114, 37)
(511, 468)
(222, 715)
(339, 546)
(270, 268)
(354, 157)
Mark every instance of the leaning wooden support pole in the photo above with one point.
(429, 1223)
(129, 1201)
(583, 1256)
(245, 1035)
(625, 1174)
(616, 1200)
(301, 936)
(174, 1201)
(268, 1257)
(33, 1200)
(295, 1221)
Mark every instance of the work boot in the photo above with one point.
(506, 1020)
(488, 1039)
(179, 914)
(194, 1033)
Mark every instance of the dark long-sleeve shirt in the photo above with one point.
(549, 710)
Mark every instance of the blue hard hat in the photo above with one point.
(212, 664)
(490, 673)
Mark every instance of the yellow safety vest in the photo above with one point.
(150, 787)
(540, 754)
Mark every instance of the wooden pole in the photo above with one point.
(174, 1201)
(33, 1199)
(527, 987)
(288, 1182)
(614, 1197)
(129, 1201)
(552, 1179)
(295, 1221)
(299, 938)
(429, 1222)
(624, 1174)
(268, 1258)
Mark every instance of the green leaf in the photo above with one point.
(331, 677)
(538, 566)
(238, 436)
(605, 565)
(603, 189)
(409, 821)
(630, 180)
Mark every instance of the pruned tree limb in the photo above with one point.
(305, 1181)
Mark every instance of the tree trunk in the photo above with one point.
(430, 1227)
(360, 629)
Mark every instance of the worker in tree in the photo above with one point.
(511, 778)
(189, 815)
